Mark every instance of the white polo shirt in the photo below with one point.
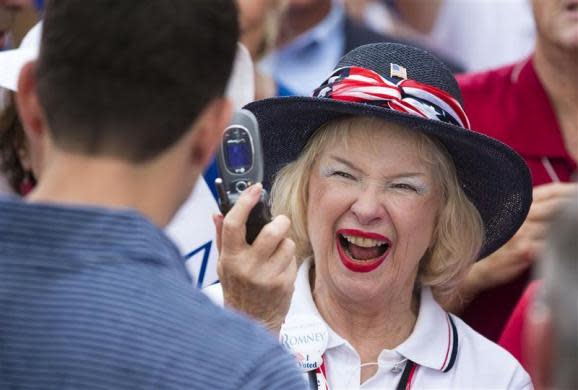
(448, 353)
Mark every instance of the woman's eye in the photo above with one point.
(345, 175)
(404, 186)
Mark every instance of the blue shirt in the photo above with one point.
(305, 62)
(99, 299)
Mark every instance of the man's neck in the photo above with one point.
(110, 183)
(298, 20)
(557, 69)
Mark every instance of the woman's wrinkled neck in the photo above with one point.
(369, 328)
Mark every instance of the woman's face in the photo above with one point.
(371, 214)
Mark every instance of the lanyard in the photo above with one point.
(318, 377)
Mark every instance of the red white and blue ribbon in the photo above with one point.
(359, 85)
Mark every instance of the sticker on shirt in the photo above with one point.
(305, 335)
(308, 361)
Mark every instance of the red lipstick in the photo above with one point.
(360, 265)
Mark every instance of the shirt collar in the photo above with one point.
(71, 229)
(433, 342)
(540, 133)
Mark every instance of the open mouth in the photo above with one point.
(360, 251)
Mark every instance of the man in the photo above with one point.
(123, 108)
(531, 106)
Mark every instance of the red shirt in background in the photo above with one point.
(512, 337)
(511, 105)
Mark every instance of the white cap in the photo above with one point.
(241, 87)
(11, 61)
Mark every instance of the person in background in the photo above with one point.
(18, 168)
(314, 35)
(16, 17)
(382, 188)
(480, 34)
(259, 22)
(514, 337)
(8, 11)
(386, 17)
(16, 175)
(550, 335)
(94, 295)
(532, 107)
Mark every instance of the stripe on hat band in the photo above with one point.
(359, 85)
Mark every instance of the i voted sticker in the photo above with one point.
(309, 361)
(305, 335)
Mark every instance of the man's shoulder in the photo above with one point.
(218, 341)
(135, 317)
(487, 99)
(481, 83)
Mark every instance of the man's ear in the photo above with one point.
(32, 117)
(29, 109)
(208, 130)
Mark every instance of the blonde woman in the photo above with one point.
(390, 199)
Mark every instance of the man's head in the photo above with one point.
(557, 22)
(128, 79)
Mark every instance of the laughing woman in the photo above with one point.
(391, 198)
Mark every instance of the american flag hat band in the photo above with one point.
(359, 85)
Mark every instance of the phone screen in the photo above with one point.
(238, 150)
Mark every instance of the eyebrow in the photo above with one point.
(398, 176)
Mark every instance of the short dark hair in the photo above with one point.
(128, 78)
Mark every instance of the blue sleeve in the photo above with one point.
(274, 370)
(282, 90)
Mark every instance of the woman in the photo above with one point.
(391, 198)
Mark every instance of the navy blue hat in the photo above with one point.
(412, 88)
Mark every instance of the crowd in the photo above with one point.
(421, 163)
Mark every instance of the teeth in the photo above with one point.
(362, 241)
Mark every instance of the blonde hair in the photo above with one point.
(459, 231)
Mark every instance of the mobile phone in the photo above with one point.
(240, 162)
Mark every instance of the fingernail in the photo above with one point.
(256, 188)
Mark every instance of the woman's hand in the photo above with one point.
(257, 279)
(524, 247)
